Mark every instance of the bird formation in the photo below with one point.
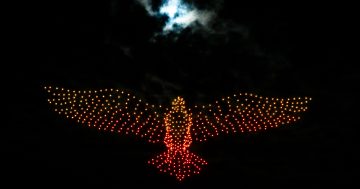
(177, 126)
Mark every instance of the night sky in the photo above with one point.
(273, 52)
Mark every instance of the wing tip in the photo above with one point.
(50, 88)
(47, 87)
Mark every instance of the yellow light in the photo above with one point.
(178, 126)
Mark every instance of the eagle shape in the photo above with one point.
(176, 126)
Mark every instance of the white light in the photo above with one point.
(170, 8)
(179, 14)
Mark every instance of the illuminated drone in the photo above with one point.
(176, 126)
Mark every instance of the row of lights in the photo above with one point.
(245, 112)
(109, 110)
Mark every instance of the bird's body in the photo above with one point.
(178, 160)
(178, 126)
(178, 123)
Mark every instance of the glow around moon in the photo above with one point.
(180, 15)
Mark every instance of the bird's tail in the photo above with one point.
(180, 164)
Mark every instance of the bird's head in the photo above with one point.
(178, 116)
(178, 104)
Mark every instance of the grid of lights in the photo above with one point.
(178, 126)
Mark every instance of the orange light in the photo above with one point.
(178, 126)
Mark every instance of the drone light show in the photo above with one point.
(175, 125)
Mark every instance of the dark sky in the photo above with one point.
(276, 52)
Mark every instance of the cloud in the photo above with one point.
(148, 6)
(202, 19)
(180, 15)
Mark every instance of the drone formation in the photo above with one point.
(176, 126)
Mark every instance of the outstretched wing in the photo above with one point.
(109, 110)
(245, 113)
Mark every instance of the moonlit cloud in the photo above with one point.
(179, 15)
(148, 6)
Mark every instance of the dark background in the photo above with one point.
(269, 51)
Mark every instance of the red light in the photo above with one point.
(177, 127)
